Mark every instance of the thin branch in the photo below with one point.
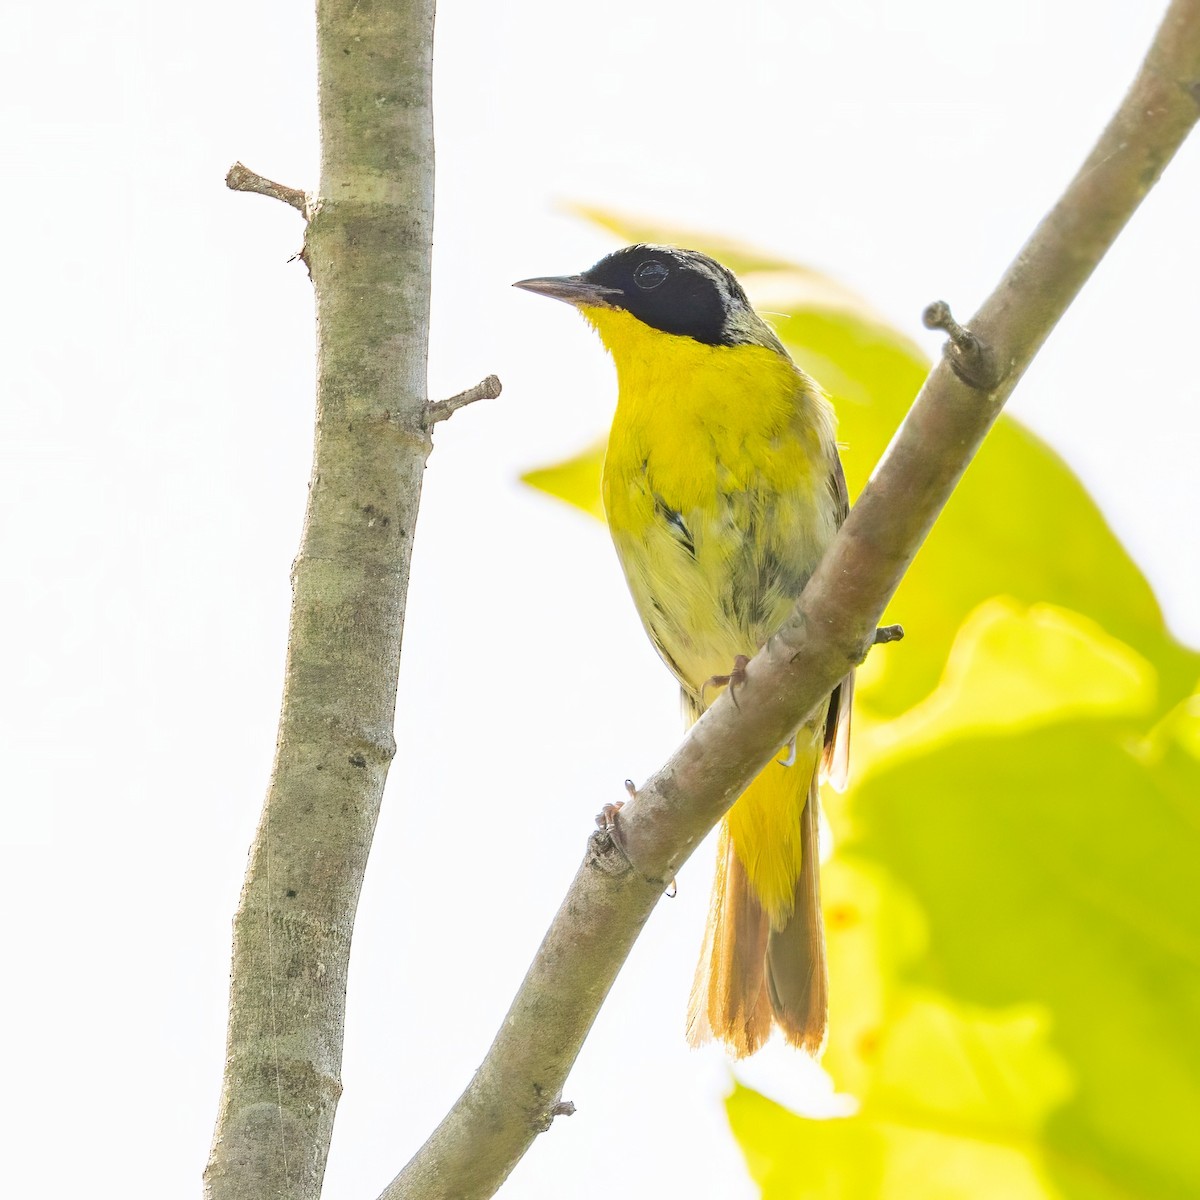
(368, 242)
(516, 1089)
(440, 410)
(240, 178)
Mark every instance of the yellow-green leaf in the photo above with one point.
(575, 480)
(1012, 669)
(1014, 938)
(960, 1100)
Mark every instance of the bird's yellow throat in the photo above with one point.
(710, 414)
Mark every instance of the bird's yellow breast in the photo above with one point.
(716, 489)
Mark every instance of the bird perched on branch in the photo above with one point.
(722, 488)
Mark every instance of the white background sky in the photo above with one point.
(156, 362)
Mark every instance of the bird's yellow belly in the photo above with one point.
(718, 497)
(713, 578)
(711, 583)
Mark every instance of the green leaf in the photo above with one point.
(959, 1099)
(737, 256)
(1014, 934)
(575, 480)
(1040, 666)
(1050, 870)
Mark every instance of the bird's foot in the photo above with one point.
(606, 818)
(733, 680)
(790, 758)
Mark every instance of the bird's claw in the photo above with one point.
(790, 760)
(733, 680)
(606, 818)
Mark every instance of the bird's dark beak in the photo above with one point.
(573, 289)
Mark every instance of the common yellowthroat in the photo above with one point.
(722, 487)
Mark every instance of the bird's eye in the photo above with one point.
(649, 274)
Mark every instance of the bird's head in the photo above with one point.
(679, 292)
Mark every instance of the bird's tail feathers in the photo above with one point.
(729, 999)
(763, 960)
(751, 976)
(796, 970)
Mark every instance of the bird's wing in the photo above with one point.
(835, 762)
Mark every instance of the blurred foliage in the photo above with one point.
(575, 480)
(1013, 915)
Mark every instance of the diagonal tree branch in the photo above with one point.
(367, 246)
(517, 1090)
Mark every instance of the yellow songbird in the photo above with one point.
(722, 488)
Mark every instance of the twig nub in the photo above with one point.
(970, 357)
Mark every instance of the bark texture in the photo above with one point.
(367, 247)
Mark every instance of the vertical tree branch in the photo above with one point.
(367, 247)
